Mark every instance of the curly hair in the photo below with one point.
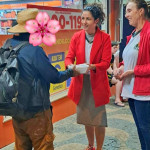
(142, 4)
(96, 11)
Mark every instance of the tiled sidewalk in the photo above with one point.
(120, 135)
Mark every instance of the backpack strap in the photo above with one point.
(19, 46)
(7, 45)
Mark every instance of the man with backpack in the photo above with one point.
(33, 126)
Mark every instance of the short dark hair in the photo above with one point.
(114, 43)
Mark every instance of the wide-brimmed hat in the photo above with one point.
(22, 17)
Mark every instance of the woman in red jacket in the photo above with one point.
(90, 91)
(136, 76)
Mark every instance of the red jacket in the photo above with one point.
(100, 56)
(142, 68)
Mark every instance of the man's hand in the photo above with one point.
(75, 72)
(73, 67)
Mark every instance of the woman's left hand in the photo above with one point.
(126, 74)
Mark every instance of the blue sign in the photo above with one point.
(56, 57)
(68, 82)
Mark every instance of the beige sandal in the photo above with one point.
(119, 104)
